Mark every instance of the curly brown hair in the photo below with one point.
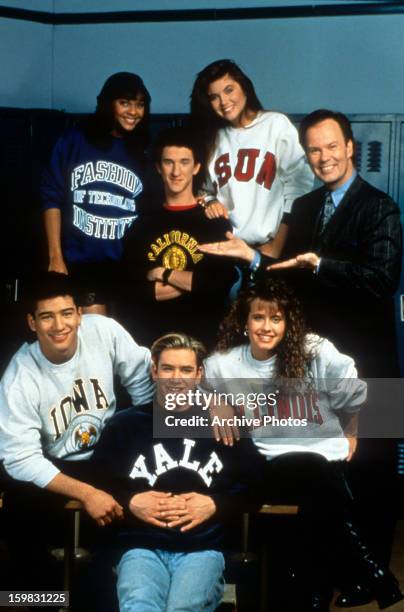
(293, 357)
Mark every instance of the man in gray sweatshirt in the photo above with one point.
(57, 393)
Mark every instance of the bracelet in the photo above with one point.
(255, 264)
(206, 200)
(165, 276)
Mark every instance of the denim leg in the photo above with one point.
(143, 581)
(196, 581)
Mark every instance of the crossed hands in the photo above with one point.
(167, 510)
(155, 274)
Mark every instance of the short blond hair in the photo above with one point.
(177, 340)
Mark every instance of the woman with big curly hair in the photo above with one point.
(307, 397)
(91, 188)
(256, 167)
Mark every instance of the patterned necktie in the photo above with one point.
(327, 212)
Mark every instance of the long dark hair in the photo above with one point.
(99, 126)
(293, 357)
(203, 117)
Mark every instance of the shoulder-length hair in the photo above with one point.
(293, 357)
(98, 127)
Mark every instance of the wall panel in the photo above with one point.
(296, 64)
(26, 52)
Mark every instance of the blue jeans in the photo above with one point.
(162, 581)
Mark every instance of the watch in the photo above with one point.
(165, 276)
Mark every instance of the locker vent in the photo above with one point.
(374, 157)
(400, 466)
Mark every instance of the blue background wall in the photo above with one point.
(350, 63)
(26, 51)
(355, 64)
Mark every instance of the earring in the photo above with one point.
(245, 332)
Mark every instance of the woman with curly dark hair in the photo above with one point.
(302, 399)
(292, 354)
(91, 188)
(265, 338)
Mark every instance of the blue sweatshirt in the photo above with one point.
(130, 460)
(96, 191)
